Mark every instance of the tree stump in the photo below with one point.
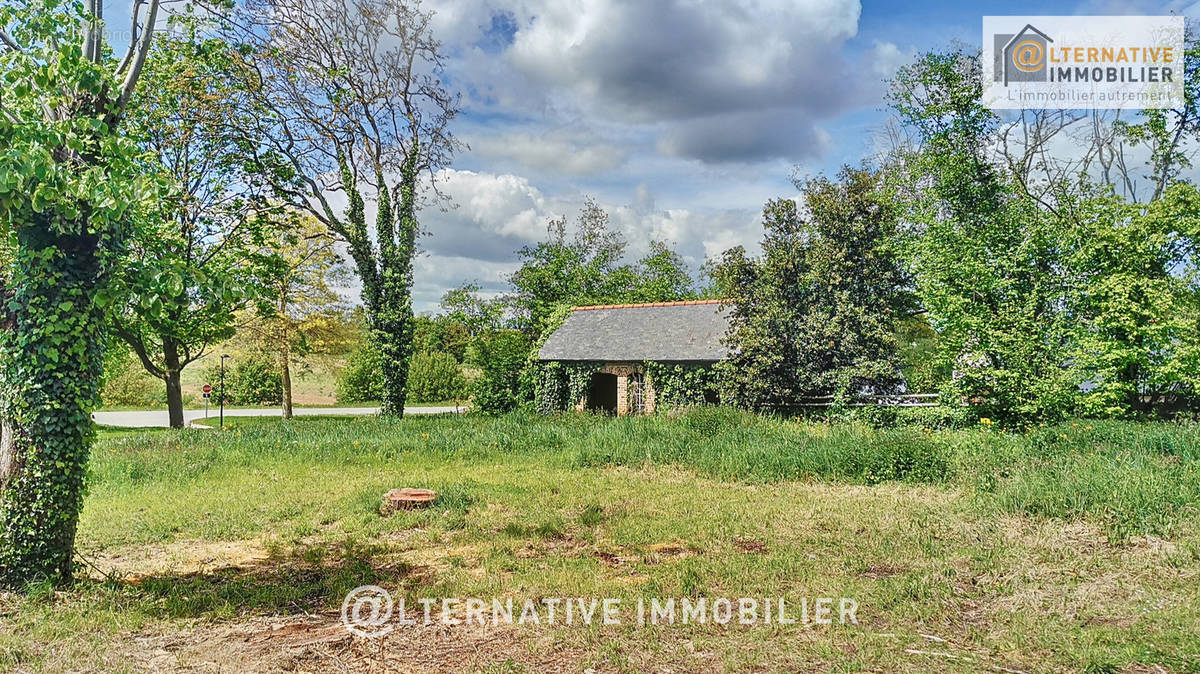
(406, 499)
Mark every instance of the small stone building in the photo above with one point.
(621, 338)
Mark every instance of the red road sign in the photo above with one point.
(206, 388)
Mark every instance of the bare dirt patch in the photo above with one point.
(178, 557)
(322, 644)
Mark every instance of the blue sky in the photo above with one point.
(679, 117)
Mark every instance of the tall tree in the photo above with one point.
(301, 316)
(817, 314)
(1043, 289)
(478, 314)
(70, 195)
(359, 108)
(204, 255)
(987, 258)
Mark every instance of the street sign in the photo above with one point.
(206, 388)
(206, 395)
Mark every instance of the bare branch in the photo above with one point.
(135, 70)
(133, 36)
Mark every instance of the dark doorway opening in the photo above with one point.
(602, 396)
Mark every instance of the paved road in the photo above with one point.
(158, 418)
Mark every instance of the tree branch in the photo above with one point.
(133, 34)
(9, 41)
(135, 70)
(139, 347)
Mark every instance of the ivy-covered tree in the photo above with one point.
(204, 255)
(817, 313)
(71, 194)
(358, 107)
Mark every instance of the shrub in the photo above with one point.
(434, 376)
(251, 380)
(501, 358)
(361, 379)
(127, 384)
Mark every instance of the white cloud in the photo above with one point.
(681, 69)
(558, 151)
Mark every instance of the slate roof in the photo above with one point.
(662, 331)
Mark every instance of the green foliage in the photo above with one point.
(501, 356)
(817, 314)
(465, 306)
(1037, 297)
(250, 380)
(71, 193)
(435, 376)
(587, 269)
(923, 370)
(126, 383)
(679, 385)
(372, 114)
(206, 253)
(386, 273)
(557, 386)
(360, 379)
(441, 333)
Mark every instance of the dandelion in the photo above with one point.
(424, 436)
(985, 421)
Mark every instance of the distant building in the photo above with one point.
(621, 338)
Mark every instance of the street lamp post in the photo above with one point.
(221, 395)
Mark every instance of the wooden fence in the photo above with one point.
(896, 400)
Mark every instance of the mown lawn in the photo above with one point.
(1071, 548)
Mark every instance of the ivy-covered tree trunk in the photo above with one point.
(52, 360)
(387, 278)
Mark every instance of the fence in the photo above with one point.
(894, 400)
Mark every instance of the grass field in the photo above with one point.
(1071, 548)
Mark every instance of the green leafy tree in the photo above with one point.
(586, 268)
(358, 107)
(477, 314)
(204, 256)
(435, 377)
(71, 193)
(300, 316)
(501, 357)
(983, 255)
(360, 380)
(1136, 333)
(817, 314)
(1038, 295)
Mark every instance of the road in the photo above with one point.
(158, 418)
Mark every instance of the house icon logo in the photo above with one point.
(1021, 57)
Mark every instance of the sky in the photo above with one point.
(679, 117)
